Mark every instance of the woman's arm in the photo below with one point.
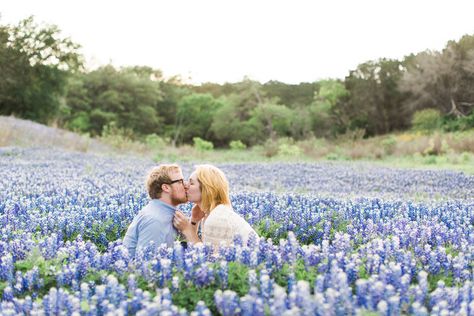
(196, 216)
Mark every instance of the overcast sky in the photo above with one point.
(224, 40)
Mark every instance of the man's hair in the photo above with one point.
(214, 187)
(157, 177)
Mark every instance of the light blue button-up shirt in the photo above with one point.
(153, 223)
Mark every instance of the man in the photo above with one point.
(167, 189)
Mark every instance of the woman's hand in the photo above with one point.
(181, 222)
(196, 214)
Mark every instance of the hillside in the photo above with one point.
(24, 133)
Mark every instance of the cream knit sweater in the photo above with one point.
(222, 224)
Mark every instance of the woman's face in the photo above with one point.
(194, 189)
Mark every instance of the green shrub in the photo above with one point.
(268, 228)
(237, 145)
(463, 123)
(289, 150)
(154, 141)
(426, 120)
(465, 157)
(270, 148)
(333, 156)
(117, 137)
(389, 145)
(430, 160)
(435, 147)
(202, 145)
(80, 123)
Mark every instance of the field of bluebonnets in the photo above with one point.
(336, 239)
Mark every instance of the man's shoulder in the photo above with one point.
(149, 215)
(146, 213)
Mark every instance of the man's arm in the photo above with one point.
(151, 229)
(130, 240)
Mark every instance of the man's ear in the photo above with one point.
(165, 188)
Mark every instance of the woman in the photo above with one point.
(208, 189)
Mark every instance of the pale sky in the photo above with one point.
(224, 40)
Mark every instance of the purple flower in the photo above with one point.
(227, 302)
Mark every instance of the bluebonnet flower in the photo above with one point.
(131, 283)
(422, 289)
(227, 302)
(27, 305)
(7, 294)
(291, 280)
(178, 255)
(223, 273)
(252, 278)
(382, 307)
(390, 236)
(204, 275)
(201, 310)
(266, 285)
(175, 284)
(304, 300)
(6, 268)
(252, 304)
(85, 293)
(253, 262)
(242, 255)
(362, 293)
(120, 266)
(278, 302)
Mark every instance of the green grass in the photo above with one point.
(399, 150)
(461, 162)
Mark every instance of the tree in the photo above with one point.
(233, 120)
(292, 95)
(172, 91)
(321, 109)
(227, 124)
(442, 80)
(194, 117)
(272, 119)
(35, 64)
(374, 102)
(127, 98)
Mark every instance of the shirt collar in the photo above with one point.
(163, 205)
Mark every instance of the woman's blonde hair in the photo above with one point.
(214, 187)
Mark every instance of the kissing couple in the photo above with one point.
(160, 220)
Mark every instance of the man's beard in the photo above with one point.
(176, 200)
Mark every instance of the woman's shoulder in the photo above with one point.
(219, 213)
(223, 207)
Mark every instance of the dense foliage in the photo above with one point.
(42, 79)
(35, 64)
(336, 240)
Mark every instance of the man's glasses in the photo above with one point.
(174, 181)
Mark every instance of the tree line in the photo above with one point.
(42, 78)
